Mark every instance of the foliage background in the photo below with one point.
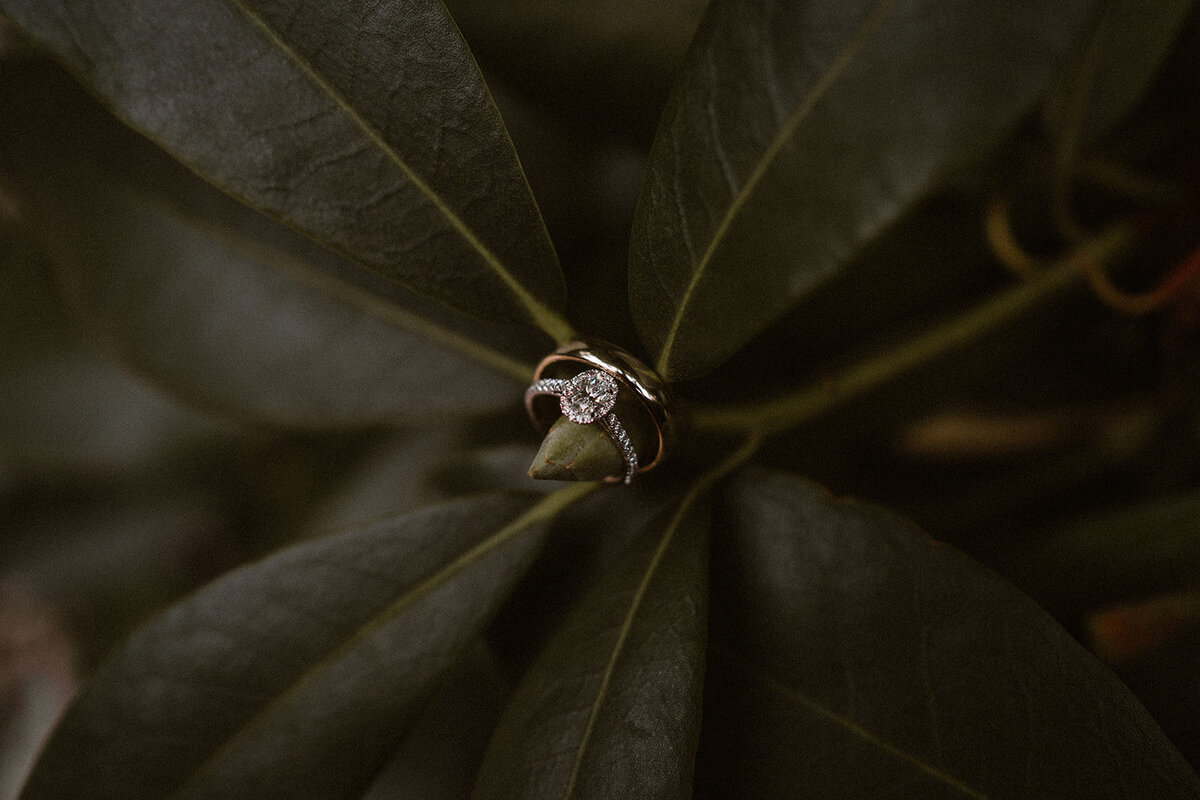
(166, 420)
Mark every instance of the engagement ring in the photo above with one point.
(589, 397)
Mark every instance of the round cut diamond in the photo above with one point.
(588, 396)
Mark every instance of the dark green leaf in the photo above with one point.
(65, 411)
(439, 756)
(366, 125)
(611, 708)
(859, 658)
(295, 676)
(251, 330)
(799, 131)
(401, 474)
(108, 566)
(74, 413)
(215, 301)
(1114, 66)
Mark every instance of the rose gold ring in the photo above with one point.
(588, 396)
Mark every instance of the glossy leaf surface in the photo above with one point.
(365, 125)
(861, 659)
(799, 131)
(217, 303)
(295, 676)
(611, 708)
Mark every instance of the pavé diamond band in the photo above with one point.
(590, 397)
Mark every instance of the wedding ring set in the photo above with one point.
(587, 380)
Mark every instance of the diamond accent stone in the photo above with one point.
(588, 396)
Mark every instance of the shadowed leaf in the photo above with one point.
(799, 131)
(1116, 63)
(611, 62)
(253, 331)
(863, 659)
(439, 756)
(365, 125)
(611, 708)
(295, 676)
(64, 410)
(1115, 556)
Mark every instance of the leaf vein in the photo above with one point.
(827, 79)
(701, 486)
(544, 509)
(852, 727)
(553, 325)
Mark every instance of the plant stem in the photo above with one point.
(791, 410)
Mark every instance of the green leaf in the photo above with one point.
(295, 676)
(611, 707)
(74, 414)
(862, 659)
(110, 564)
(218, 303)
(1112, 69)
(439, 757)
(250, 330)
(799, 131)
(364, 124)
(400, 474)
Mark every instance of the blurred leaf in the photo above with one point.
(75, 414)
(755, 196)
(65, 411)
(252, 331)
(858, 658)
(1165, 680)
(400, 474)
(364, 124)
(611, 707)
(1113, 68)
(105, 567)
(1116, 555)
(36, 681)
(293, 677)
(32, 319)
(1126, 632)
(27, 714)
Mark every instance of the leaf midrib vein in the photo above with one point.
(551, 323)
(827, 79)
(619, 646)
(544, 509)
(856, 730)
(702, 485)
